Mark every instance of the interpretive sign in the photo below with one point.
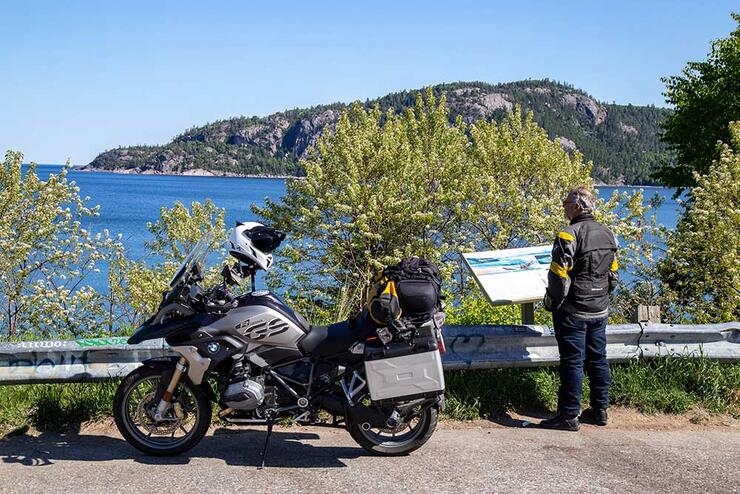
(511, 276)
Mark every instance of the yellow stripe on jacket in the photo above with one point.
(558, 269)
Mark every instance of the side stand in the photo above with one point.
(267, 442)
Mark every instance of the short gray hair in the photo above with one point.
(583, 197)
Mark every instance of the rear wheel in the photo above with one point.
(183, 425)
(412, 434)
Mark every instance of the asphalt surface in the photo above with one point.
(320, 460)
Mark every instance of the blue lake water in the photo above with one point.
(129, 202)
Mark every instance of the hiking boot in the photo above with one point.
(562, 423)
(596, 416)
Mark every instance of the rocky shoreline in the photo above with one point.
(196, 172)
(199, 172)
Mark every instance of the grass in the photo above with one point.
(56, 407)
(668, 385)
(676, 385)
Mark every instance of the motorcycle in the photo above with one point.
(261, 362)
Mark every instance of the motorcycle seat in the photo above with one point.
(326, 341)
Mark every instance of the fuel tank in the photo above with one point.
(270, 328)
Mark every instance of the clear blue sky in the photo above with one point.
(77, 78)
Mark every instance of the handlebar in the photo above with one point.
(191, 295)
(218, 299)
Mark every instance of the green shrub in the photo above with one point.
(54, 406)
(667, 385)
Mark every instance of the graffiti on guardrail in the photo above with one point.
(80, 360)
(34, 359)
(101, 341)
(468, 343)
(87, 342)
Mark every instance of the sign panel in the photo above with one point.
(511, 276)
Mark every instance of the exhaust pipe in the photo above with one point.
(357, 413)
(331, 404)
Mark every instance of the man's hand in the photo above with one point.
(547, 302)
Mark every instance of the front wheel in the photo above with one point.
(183, 425)
(412, 434)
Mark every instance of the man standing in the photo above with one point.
(582, 274)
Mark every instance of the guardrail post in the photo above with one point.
(646, 313)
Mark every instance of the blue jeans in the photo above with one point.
(581, 341)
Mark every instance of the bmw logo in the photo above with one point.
(214, 347)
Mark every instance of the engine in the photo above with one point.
(244, 395)
(261, 394)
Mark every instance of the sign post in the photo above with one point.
(527, 313)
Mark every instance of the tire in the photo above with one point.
(198, 402)
(403, 446)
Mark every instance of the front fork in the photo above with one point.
(164, 403)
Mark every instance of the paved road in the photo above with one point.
(318, 460)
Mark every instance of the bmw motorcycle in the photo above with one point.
(261, 363)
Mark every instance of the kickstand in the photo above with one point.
(267, 441)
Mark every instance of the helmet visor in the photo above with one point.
(265, 238)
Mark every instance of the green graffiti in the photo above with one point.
(101, 341)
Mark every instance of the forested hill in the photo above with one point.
(621, 140)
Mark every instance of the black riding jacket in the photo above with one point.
(583, 270)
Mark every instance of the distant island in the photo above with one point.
(621, 140)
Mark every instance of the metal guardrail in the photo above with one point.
(468, 347)
(482, 347)
(92, 359)
(485, 347)
(714, 341)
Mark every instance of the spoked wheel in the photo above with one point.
(410, 435)
(183, 425)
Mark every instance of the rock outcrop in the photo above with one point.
(566, 143)
(586, 107)
(475, 103)
(628, 129)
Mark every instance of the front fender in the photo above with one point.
(161, 363)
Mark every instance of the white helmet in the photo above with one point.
(252, 243)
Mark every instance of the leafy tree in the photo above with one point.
(642, 245)
(137, 286)
(515, 182)
(706, 98)
(383, 186)
(47, 253)
(702, 265)
(380, 187)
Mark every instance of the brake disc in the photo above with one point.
(167, 426)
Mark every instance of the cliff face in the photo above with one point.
(276, 134)
(621, 140)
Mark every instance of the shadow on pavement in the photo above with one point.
(235, 447)
(531, 418)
